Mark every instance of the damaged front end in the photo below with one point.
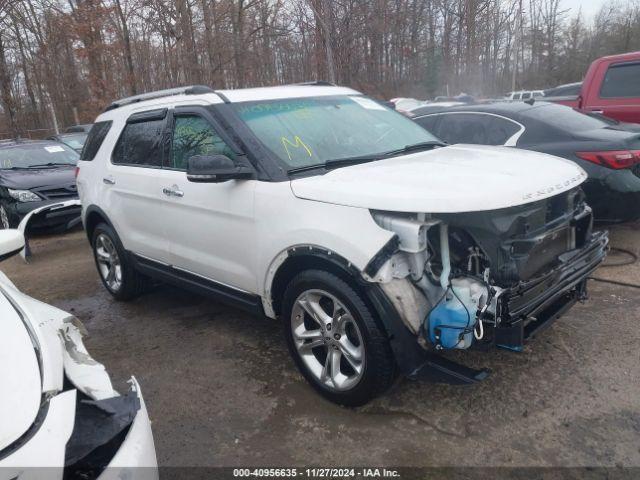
(484, 279)
(84, 428)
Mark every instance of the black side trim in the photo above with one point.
(413, 361)
(224, 98)
(382, 256)
(10, 254)
(245, 301)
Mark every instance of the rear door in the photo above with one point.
(618, 95)
(210, 225)
(131, 188)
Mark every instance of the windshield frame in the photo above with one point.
(262, 157)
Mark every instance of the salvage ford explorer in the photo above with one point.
(377, 246)
(59, 414)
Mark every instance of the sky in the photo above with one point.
(589, 7)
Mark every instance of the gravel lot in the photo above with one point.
(222, 391)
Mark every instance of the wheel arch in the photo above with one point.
(300, 258)
(404, 345)
(93, 216)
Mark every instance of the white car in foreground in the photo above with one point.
(376, 244)
(59, 414)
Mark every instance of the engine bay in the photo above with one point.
(480, 278)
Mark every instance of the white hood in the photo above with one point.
(460, 178)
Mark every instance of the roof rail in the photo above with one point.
(317, 83)
(188, 90)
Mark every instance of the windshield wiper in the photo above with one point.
(344, 162)
(51, 164)
(337, 163)
(414, 147)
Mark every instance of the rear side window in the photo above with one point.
(500, 129)
(96, 136)
(429, 123)
(465, 128)
(140, 144)
(621, 81)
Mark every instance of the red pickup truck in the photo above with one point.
(611, 88)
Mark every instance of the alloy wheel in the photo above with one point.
(108, 262)
(328, 340)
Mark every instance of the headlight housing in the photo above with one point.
(24, 195)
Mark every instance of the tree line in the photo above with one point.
(63, 61)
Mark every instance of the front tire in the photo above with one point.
(335, 340)
(117, 273)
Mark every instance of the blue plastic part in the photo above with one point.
(447, 325)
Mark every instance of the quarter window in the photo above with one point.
(500, 129)
(192, 136)
(140, 144)
(621, 81)
(94, 140)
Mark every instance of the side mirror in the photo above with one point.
(11, 243)
(215, 169)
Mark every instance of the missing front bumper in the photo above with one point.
(532, 306)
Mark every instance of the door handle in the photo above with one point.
(174, 191)
(109, 180)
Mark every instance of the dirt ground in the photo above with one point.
(222, 391)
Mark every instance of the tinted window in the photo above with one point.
(500, 129)
(516, 96)
(465, 128)
(621, 81)
(563, 118)
(193, 135)
(94, 140)
(526, 95)
(429, 123)
(140, 144)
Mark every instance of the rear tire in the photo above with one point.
(335, 340)
(116, 271)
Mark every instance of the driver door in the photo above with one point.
(210, 226)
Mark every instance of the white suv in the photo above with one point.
(377, 245)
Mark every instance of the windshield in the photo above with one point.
(34, 155)
(311, 131)
(75, 141)
(563, 118)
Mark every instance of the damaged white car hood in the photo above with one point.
(19, 376)
(460, 178)
(38, 344)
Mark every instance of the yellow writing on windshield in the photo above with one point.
(297, 143)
